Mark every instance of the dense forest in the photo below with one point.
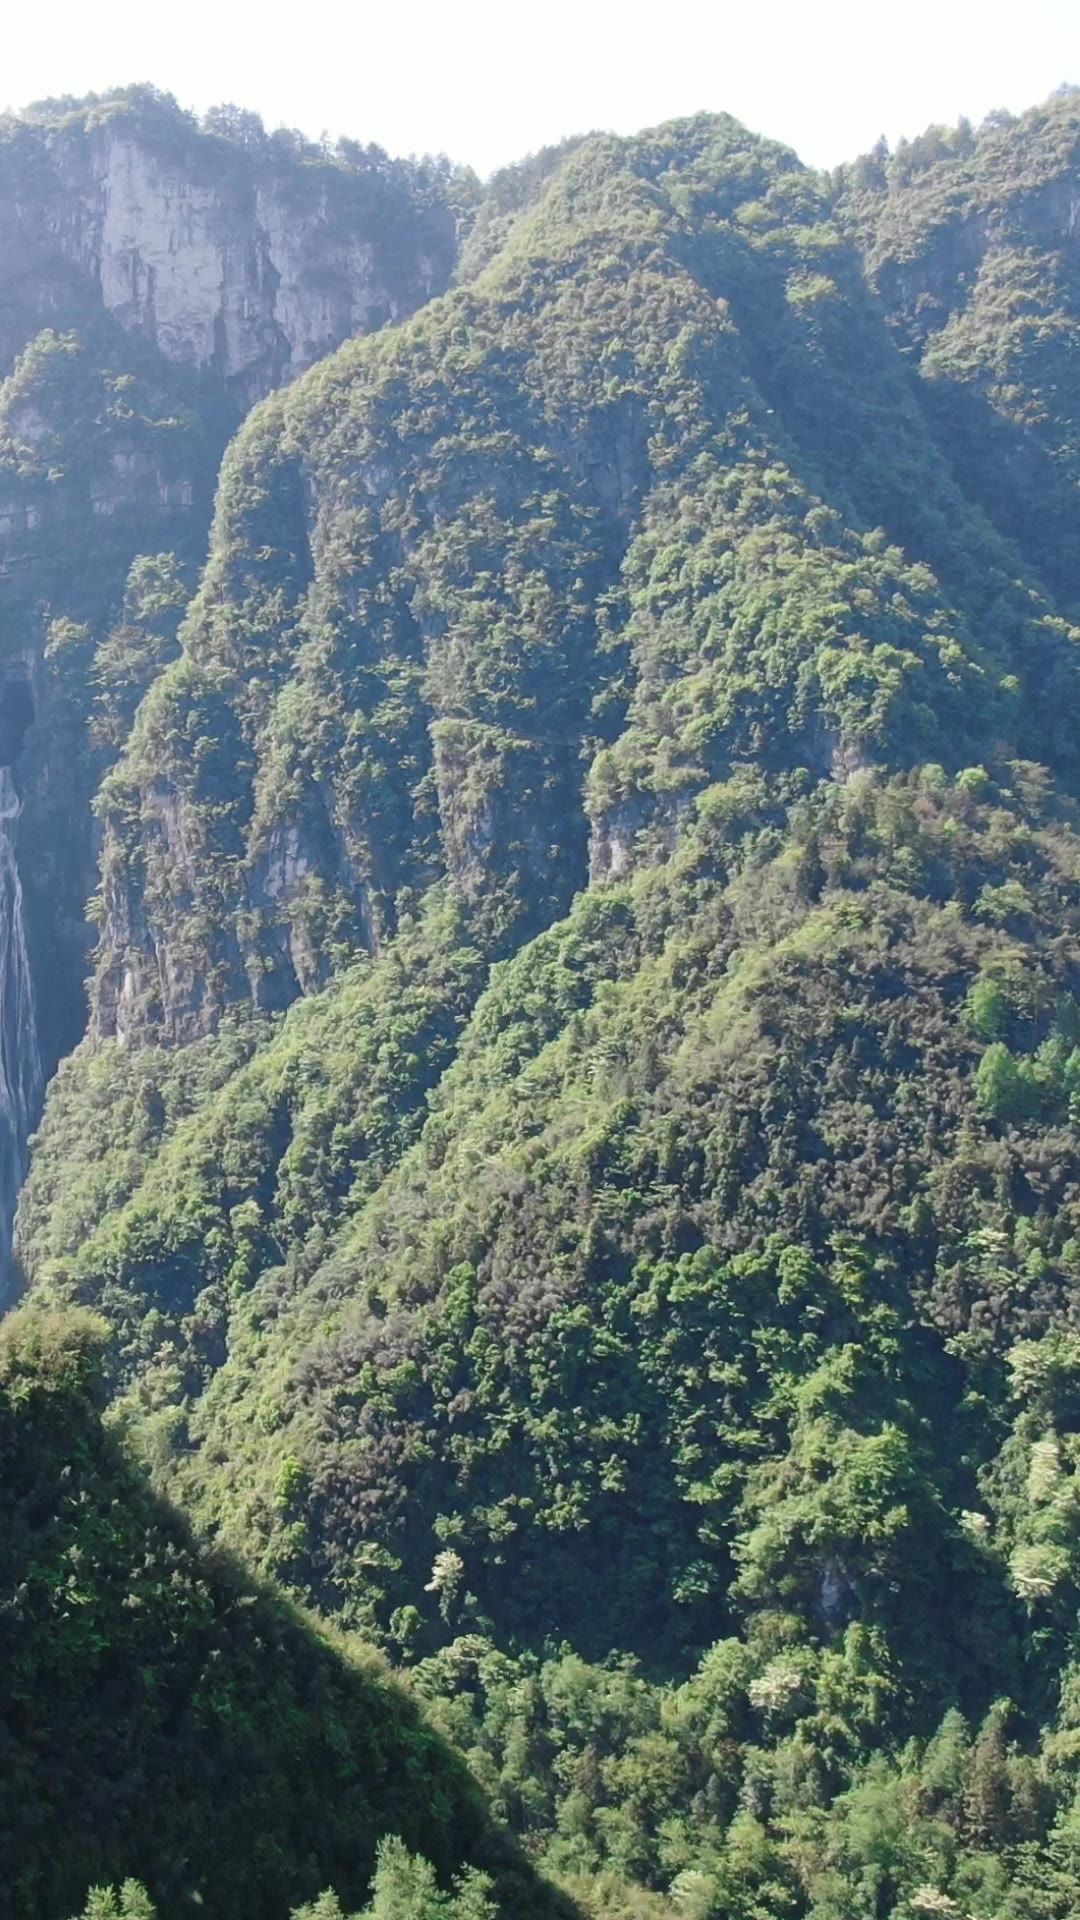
(549, 1380)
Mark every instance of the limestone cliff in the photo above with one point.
(250, 256)
(157, 277)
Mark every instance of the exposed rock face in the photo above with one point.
(249, 259)
(230, 274)
(156, 279)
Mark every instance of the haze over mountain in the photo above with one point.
(559, 703)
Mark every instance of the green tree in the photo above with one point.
(987, 1007)
(1006, 1088)
(128, 1902)
(405, 1887)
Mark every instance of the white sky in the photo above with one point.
(488, 82)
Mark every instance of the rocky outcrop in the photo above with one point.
(232, 274)
(156, 279)
(252, 260)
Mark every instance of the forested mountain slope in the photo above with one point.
(650, 498)
(578, 1139)
(157, 275)
(971, 240)
(162, 1717)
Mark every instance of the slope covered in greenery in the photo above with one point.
(655, 483)
(160, 1715)
(970, 237)
(578, 1148)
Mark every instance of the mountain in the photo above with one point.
(576, 1138)
(156, 277)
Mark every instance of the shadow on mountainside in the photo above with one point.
(163, 1718)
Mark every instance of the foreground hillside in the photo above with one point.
(159, 1715)
(578, 1145)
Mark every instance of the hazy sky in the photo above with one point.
(487, 82)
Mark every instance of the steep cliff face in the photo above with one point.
(252, 270)
(233, 251)
(155, 279)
